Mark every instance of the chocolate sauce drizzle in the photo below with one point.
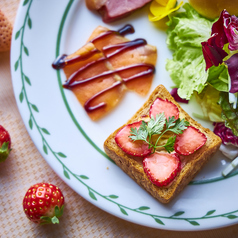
(61, 60)
(102, 104)
(119, 48)
(150, 70)
(116, 49)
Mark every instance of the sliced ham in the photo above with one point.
(112, 10)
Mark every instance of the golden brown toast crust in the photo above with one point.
(191, 164)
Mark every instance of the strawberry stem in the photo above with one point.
(155, 146)
(55, 220)
(58, 212)
(4, 151)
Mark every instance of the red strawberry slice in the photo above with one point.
(190, 141)
(136, 148)
(161, 167)
(160, 105)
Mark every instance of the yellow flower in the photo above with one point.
(162, 8)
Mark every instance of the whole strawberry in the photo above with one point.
(43, 203)
(5, 144)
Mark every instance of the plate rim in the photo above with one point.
(15, 66)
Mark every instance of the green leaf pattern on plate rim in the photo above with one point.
(23, 97)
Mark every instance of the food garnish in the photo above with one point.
(186, 31)
(164, 118)
(225, 133)
(207, 99)
(206, 54)
(189, 141)
(204, 59)
(220, 54)
(224, 31)
(164, 106)
(174, 93)
(230, 167)
(43, 203)
(138, 148)
(158, 126)
(162, 168)
(5, 144)
(162, 8)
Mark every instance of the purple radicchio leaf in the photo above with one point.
(225, 134)
(231, 31)
(224, 30)
(212, 53)
(227, 29)
(177, 98)
(232, 64)
(218, 28)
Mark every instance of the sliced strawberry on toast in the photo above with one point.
(161, 167)
(135, 148)
(164, 106)
(190, 141)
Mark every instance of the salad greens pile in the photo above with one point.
(186, 31)
(205, 62)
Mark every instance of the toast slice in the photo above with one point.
(191, 164)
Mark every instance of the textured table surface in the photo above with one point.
(25, 167)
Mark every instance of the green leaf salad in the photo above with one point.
(200, 63)
(205, 65)
(186, 31)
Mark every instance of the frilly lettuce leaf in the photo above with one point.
(208, 101)
(174, 93)
(214, 81)
(186, 31)
(218, 78)
(229, 114)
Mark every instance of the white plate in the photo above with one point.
(73, 145)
